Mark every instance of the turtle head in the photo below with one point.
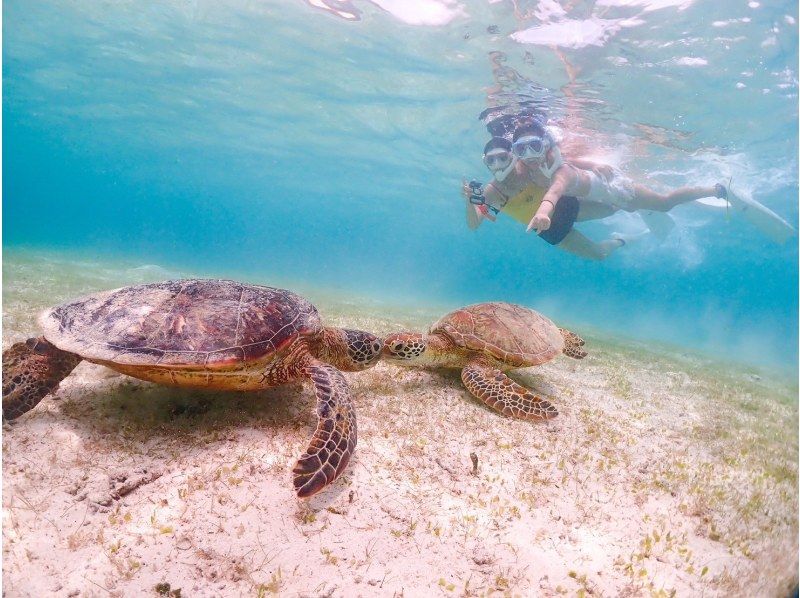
(404, 347)
(350, 350)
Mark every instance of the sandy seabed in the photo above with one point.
(663, 475)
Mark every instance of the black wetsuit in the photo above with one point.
(562, 219)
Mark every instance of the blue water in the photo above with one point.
(281, 140)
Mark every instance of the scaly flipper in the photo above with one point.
(502, 394)
(335, 438)
(572, 345)
(31, 371)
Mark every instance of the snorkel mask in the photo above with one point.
(501, 162)
(498, 158)
(531, 148)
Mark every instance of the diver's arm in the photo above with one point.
(562, 180)
(474, 217)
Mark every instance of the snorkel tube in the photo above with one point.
(501, 175)
(558, 161)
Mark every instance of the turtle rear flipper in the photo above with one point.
(31, 371)
(502, 394)
(573, 344)
(335, 437)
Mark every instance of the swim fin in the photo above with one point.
(760, 216)
(628, 238)
(714, 202)
(659, 223)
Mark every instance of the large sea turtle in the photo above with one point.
(216, 334)
(485, 340)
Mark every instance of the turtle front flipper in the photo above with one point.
(502, 394)
(31, 371)
(335, 437)
(573, 344)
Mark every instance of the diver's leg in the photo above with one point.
(593, 210)
(645, 198)
(579, 245)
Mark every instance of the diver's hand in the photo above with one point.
(465, 190)
(539, 222)
(483, 212)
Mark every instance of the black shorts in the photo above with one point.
(561, 221)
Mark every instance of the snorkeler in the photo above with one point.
(540, 157)
(513, 192)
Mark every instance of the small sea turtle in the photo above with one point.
(215, 334)
(485, 340)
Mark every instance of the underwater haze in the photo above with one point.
(324, 143)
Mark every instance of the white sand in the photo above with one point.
(650, 481)
(660, 476)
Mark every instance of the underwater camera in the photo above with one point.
(476, 193)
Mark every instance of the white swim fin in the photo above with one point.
(629, 238)
(659, 223)
(760, 216)
(713, 202)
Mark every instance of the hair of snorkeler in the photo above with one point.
(497, 143)
(533, 128)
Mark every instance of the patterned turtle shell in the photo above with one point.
(510, 333)
(181, 324)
